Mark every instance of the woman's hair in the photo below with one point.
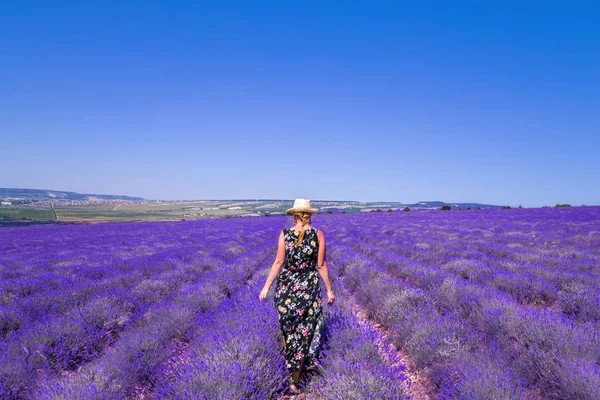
(304, 218)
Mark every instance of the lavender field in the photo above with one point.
(479, 304)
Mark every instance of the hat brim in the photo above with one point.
(310, 210)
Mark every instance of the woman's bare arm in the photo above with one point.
(322, 266)
(275, 268)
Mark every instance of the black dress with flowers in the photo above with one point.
(298, 300)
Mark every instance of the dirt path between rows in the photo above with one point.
(419, 385)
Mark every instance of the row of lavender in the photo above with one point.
(540, 259)
(488, 305)
(358, 361)
(76, 298)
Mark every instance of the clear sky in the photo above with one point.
(460, 101)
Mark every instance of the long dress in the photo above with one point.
(298, 300)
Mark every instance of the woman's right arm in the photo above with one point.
(275, 268)
(322, 266)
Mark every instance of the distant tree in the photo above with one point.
(460, 208)
(344, 212)
(406, 208)
(507, 207)
(389, 210)
(520, 206)
(468, 207)
(563, 205)
(545, 206)
(378, 210)
(288, 213)
(329, 212)
(479, 208)
(446, 207)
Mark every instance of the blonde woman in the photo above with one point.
(299, 262)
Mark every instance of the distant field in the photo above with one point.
(101, 210)
(120, 211)
(30, 213)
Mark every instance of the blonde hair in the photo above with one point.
(304, 218)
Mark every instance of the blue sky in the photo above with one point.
(470, 101)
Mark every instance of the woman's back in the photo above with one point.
(304, 256)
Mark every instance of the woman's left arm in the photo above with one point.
(275, 268)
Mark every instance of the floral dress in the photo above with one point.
(298, 300)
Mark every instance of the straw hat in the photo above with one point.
(301, 205)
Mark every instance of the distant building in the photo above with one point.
(6, 203)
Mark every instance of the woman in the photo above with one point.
(299, 262)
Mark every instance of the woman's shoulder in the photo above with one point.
(290, 231)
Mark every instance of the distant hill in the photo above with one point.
(436, 204)
(42, 194)
(337, 206)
